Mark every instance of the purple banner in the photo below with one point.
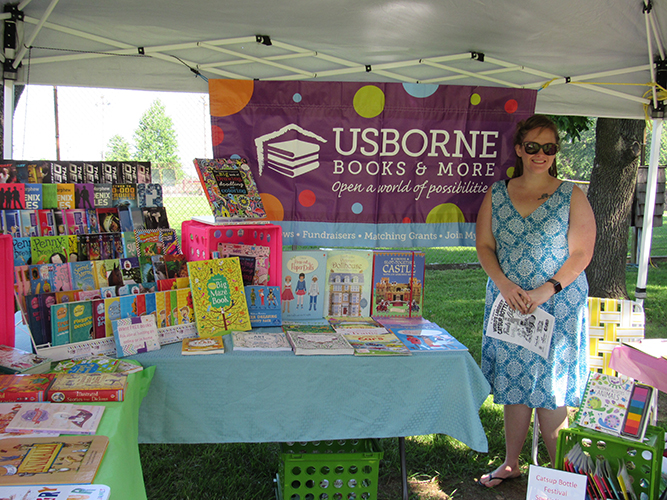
(368, 159)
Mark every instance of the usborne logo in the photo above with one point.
(289, 157)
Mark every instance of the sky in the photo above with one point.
(89, 117)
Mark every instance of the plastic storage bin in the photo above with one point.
(329, 470)
(643, 461)
(198, 240)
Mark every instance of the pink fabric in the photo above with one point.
(640, 366)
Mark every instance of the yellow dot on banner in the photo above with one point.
(446, 212)
(274, 209)
(369, 101)
(510, 172)
(227, 97)
(475, 99)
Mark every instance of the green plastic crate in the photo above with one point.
(329, 470)
(642, 460)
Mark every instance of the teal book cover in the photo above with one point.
(80, 321)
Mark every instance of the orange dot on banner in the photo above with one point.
(274, 209)
(217, 135)
(307, 198)
(407, 220)
(227, 97)
(511, 106)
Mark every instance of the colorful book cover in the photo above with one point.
(14, 361)
(12, 223)
(84, 195)
(41, 279)
(170, 241)
(347, 289)
(257, 255)
(96, 364)
(60, 324)
(55, 417)
(65, 194)
(176, 266)
(29, 223)
(135, 335)
(307, 274)
(50, 196)
(59, 492)
(24, 388)
(132, 306)
(61, 279)
(420, 335)
(605, 402)
(22, 280)
(82, 275)
(73, 246)
(61, 229)
(75, 387)
(22, 251)
(150, 303)
(76, 221)
(149, 195)
(161, 310)
(209, 345)
(108, 220)
(111, 313)
(218, 296)
(69, 296)
(398, 283)
(33, 196)
(80, 321)
(263, 305)
(89, 294)
(125, 219)
(230, 188)
(124, 195)
(22, 172)
(130, 270)
(49, 249)
(102, 195)
(35, 173)
(8, 172)
(379, 344)
(185, 306)
(93, 221)
(12, 196)
(47, 222)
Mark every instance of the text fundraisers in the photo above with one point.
(350, 163)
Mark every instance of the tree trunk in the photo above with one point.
(611, 193)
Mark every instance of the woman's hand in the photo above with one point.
(516, 297)
(539, 296)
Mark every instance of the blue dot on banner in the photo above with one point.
(357, 208)
(297, 97)
(420, 90)
(235, 157)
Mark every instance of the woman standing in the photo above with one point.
(535, 236)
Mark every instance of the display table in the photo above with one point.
(250, 397)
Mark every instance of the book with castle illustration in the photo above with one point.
(398, 283)
(218, 296)
(347, 287)
(230, 189)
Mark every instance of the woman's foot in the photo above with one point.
(498, 476)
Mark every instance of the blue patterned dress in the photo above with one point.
(530, 251)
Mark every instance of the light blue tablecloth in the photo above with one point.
(275, 397)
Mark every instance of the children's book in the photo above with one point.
(263, 305)
(197, 345)
(347, 288)
(109, 172)
(60, 492)
(92, 172)
(88, 387)
(59, 324)
(254, 261)
(304, 274)
(64, 418)
(22, 251)
(615, 405)
(80, 321)
(398, 283)
(380, 344)
(66, 196)
(52, 460)
(82, 275)
(124, 195)
(135, 335)
(96, 364)
(14, 360)
(93, 221)
(12, 196)
(47, 222)
(25, 388)
(218, 296)
(12, 222)
(144, 172)
(155, 217)
(420, 335)
(74, 172)
(49, 249)
(230, 189)
(304, 343)
(29, 223)
(260, 341)
(7, 413)
(50, 196)
(33, 196)
(149, 195)
(76, 221)
(41, 279)
(84, 195)
(108, 219)
(127, 172)
(102, 195)
(369, 326)
(170, 241)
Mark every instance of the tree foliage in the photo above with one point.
(118, 149)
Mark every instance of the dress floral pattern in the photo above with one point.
(531, 250)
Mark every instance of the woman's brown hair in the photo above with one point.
(522, 129)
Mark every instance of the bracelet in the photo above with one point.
(556, 284)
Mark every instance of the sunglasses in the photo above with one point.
(533, 148)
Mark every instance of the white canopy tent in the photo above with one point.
(595, 58)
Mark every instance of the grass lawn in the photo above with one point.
(454, 298)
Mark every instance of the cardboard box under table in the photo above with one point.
(642, 459)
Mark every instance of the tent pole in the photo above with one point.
(8, 121)
(649, 206)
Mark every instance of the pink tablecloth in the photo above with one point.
(640, 366)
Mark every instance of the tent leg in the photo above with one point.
(404, 469)
(8, 125)
(649, 206)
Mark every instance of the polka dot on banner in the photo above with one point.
(273, 207)
(297, 97)
(420, 90)
(511, 106)
(357, 208)
(307, 198)
(510, 172)
(217, 135)
(475, 99)
(406, 220)
(234, 157)
(446, 212)
(229, 233)
(369, 101)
